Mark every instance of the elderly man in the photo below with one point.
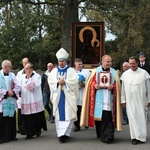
(125, 67)
(32, 108)
(46, 91)
(63, 83)
(135, 96)
(9, 91)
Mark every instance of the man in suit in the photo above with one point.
(142, 62)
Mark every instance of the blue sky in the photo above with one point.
(109, 36)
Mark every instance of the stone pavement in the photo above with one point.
(82, 140)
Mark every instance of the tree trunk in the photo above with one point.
(70, 15)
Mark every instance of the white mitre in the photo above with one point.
(62, 54)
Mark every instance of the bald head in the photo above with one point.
(106, 61)
(50, 66)
(125, 66)
(25, 61)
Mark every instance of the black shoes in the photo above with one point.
(135, 142)
(76, 129)
(86, 127)
(38, 133)
(125, 122)
(108, 141)
(28, 137)
(52, 121)
(63, 138)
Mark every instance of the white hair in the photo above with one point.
(126, 63)
(5, 63)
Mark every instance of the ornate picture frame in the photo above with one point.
(88, 42)
(104, 79)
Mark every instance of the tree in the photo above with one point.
(38, 28)
(125, 19)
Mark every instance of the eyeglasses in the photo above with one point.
(49, 66)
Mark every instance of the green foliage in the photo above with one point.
(128, 20)
(29, 31)
(37, 29)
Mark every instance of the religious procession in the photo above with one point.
(75, 74)
(102, 97)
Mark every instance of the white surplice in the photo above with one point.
(31, 94)
(70, 89)
(136, 94)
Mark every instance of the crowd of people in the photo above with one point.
(104, 98)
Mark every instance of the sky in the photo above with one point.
(109, 37)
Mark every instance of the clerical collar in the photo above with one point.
(31, 75)
(107, 69)
(6, 74)
(78, 70)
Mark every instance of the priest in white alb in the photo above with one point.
(63, 83)
(135, 96)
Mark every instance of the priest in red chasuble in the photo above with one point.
(101, 103)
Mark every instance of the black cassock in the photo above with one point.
(7, 128)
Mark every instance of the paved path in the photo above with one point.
(83, 140)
